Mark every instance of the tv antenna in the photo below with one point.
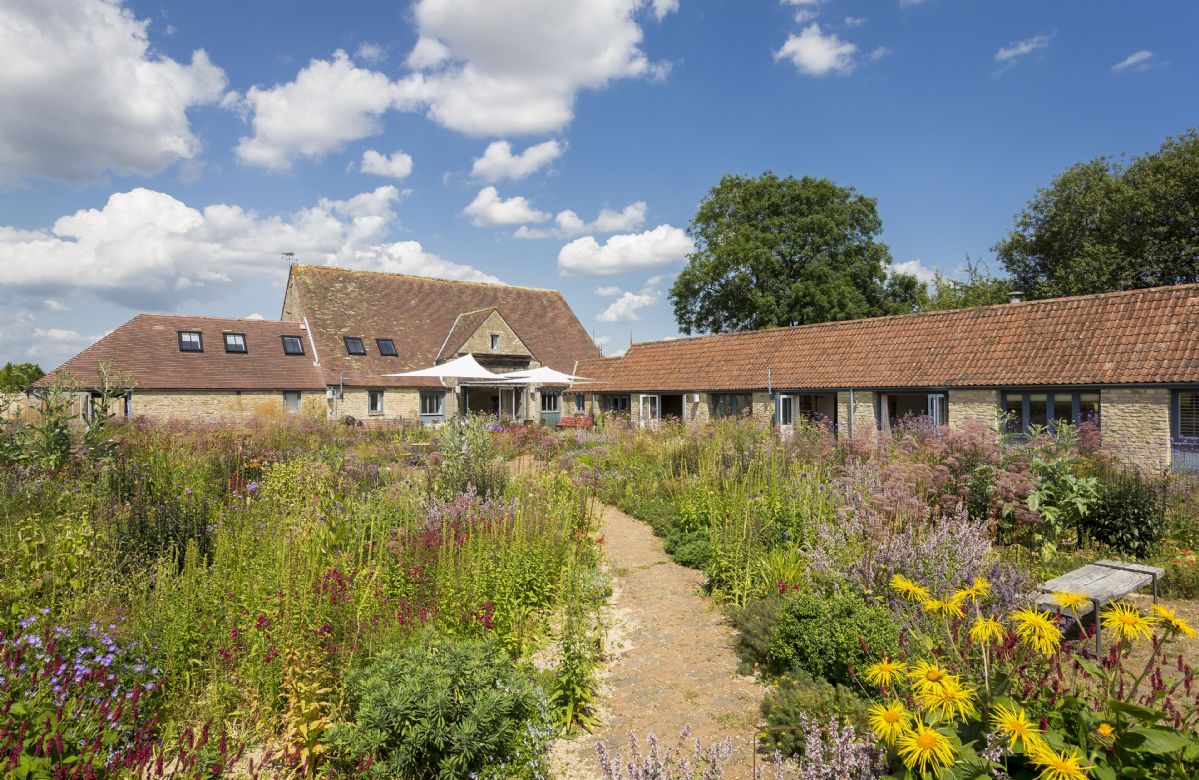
(289, 257)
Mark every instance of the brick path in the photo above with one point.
(671, 659)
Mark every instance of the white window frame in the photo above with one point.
(371, 406)
(554, 402)
(294, 397)
(495, 342)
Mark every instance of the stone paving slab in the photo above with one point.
(671, 664)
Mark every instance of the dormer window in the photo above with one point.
(387, 347)
(354, 346)
(293, 345)
(495, 342)
(235, 342)
(191, 341)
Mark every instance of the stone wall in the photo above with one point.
(973, 405)
(479, 342)
(865, 415)
(398, 404)
(1136, 425)
(221, 405)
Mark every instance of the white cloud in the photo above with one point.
(478, 82)
(1018, 49)
(83, 93)
(911, 3)
(607, 292)
(602, 341)
(488, 209)
(817, 54)
(54, 305)
(806, 10)
(330, 103)
(397, 166)
(370, 53)
(661, 246)
(568, 223)
(255, 316)
(1138, 59)
(916, 268)
(854, 21)
(498, 162)
(427, 53)
(664, 7)
(878, 53)
(626, 307)
(147, 250)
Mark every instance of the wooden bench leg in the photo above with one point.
(1098, 628)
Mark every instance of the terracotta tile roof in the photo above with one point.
(419, 313)
(1133, 337)
(147, 349)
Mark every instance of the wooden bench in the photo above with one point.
(1101, 582)
(577, 421)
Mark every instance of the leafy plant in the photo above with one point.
(795, 698)
(831, 635)
(1128, 514)
(441, 709)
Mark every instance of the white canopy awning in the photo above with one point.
(465, 367)
(542, 376)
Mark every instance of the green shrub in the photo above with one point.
(830, 635)
(1129, 514)
(802, 694)
(755, 624)
(444, 708)
(689, 548)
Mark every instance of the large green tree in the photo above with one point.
(17, 377)
(773, 251)
(1104, 225)
(979, 288)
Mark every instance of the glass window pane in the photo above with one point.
(1063, 408)
(1038, 409)
(1088, 408)
(1014, 408)
(292, 345)
(1188, 414)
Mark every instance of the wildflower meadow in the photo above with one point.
(304, 599)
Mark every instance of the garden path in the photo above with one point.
(671, 659)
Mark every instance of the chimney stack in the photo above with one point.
(1015, 296)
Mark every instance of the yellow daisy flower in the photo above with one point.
(889, 720)
(1014, 724)
(980, 588)
(923, 748)
(908, 589)
(945, 607)
(1171, 620)
(1070, 601)
(925, 675)
(1037, 630)
(948, 702)
(1066, 765)
(884, 672)
(1126, 621)
(1106, 731)
(986, 630)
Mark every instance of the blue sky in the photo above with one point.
(167, 153)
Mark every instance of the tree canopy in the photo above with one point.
(773, 251)
(1103, 225)
(979, 288)
(17, 377)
